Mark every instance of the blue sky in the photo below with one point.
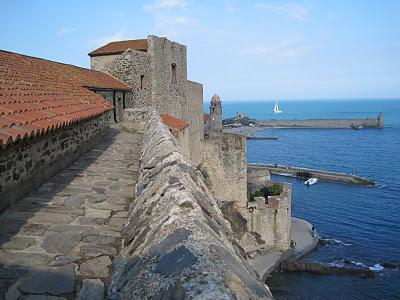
(238, 49)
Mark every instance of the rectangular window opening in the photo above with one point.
(141, 81)
(173, 69)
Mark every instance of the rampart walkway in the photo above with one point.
(61, 239)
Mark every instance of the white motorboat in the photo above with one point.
(311, 181)
(276, 108)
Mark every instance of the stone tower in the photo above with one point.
(381, 120)
(215, 116)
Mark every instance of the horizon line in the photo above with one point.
(313, 99)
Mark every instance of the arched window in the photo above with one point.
(173, 70)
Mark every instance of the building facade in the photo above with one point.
(156, 70)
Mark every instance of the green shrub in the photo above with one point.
(256, 194)
(275, 190)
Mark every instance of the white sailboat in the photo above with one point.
(276, 108)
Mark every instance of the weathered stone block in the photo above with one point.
(96, 267)
(61, 242)
(92, 289)
(53, 281)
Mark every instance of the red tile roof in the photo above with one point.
(120, 47)
(173, 122)
(206, 117)
(38, 95)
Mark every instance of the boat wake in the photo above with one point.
(376, 267)
(333, 242)
(380, 185)
(346, 262)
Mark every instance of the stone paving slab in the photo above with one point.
(59, 241)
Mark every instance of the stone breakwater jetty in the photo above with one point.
(377, 122)
(322, 175)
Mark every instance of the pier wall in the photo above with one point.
(325, 123)
(177, 244)
(323, 175)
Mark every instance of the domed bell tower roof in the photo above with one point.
(215, 100)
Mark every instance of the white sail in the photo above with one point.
(276, 108)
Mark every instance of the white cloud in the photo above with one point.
(101, 41)
(169, 16)
(65, 30)
(169, 25)
(280, 52)
(166, 4)
(294, 11)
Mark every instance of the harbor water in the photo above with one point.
(360, 225)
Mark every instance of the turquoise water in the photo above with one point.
(365, 222)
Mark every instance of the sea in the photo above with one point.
(360, 225)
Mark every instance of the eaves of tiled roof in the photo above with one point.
(174, 122)
(120, 47)
(38, 96)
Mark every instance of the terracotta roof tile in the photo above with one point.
(120, 47)
(173, 122)
(37, 95)
(206, 117)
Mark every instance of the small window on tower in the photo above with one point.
(173, 69)
(141, 81)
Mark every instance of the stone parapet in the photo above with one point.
(176, 244)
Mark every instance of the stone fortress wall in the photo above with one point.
(177, 243)
(196, 129)
(224, 163)
(265, 224)
(221, 157)
(235, 167)
(257, 179)
(169, 92)
(120, 100)
(158, 79)
(28, 164)
(271, 219)
(133, 68)
(100, 63)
